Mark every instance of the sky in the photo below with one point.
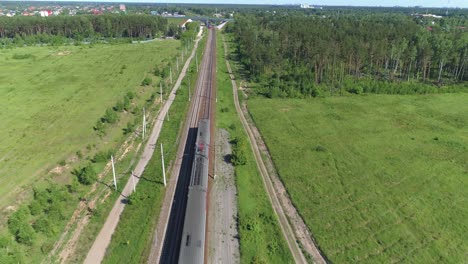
(425, 3)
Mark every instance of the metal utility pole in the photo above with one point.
(133, 181)
(144, 123)
(170, 71)
(162, 161)
(113, 172)
(177, 64)
(160, 91)
(189, 88)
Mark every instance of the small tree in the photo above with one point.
(86, 175)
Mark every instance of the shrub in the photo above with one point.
(43, 225)
(100, 128)
(86, 175)
(130, 128)
(238, 152)
(147, 81)
(320, 149)
(17, 219)
(102, 156)
(110, 116)
(22, 56)
(130, 95)
(35, 207)
(25, 234)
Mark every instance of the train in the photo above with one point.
(192, 248)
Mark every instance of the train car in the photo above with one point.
(192, 248)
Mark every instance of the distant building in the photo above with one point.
(183, 24)
(154, 13)
(44, 13)
(426, 15)
(122, 8)
(306, 6)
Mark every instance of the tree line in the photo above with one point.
(298, 53)
(84, 26)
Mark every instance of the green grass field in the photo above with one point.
(377, 178)
(261, 240)
(51, 97)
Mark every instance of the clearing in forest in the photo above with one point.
(377, 178)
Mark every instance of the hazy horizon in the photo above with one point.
(368, 3)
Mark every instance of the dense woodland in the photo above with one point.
(84, 26)
(298, 55)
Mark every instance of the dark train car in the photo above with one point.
(192, 246)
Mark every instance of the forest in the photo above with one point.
(84, 26)
(297, 54)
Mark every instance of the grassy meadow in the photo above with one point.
(377, 178)
(51, 97)
(261, 239)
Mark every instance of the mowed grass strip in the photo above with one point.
(51, 97)
(377, 178)
(261, 239)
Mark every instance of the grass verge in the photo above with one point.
(377, 178)
(261, 240)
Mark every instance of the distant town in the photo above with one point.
(71, 10)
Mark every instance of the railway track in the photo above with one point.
(200, 108)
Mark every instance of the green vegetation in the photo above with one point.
(31, 30)
(302, 56)
(377, 178)
(261, 240)
(50, 103)
(131, 240)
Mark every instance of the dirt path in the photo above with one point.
(276, 191)
(223, 234)
(98, 250)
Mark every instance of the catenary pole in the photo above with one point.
(113, 172)
(162, 161)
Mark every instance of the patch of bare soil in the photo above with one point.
(64, 53)
(59, 169)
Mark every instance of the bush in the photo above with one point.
(43, 225)
(100, 128)
(102, 156)
(130, 95)
(86, 175)
(130, 128)
(17, 219)
(35, 208)
(25, 234)
(320, 149)
(110, 116)
(22, 56)
(147, 81)
(238, 152)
